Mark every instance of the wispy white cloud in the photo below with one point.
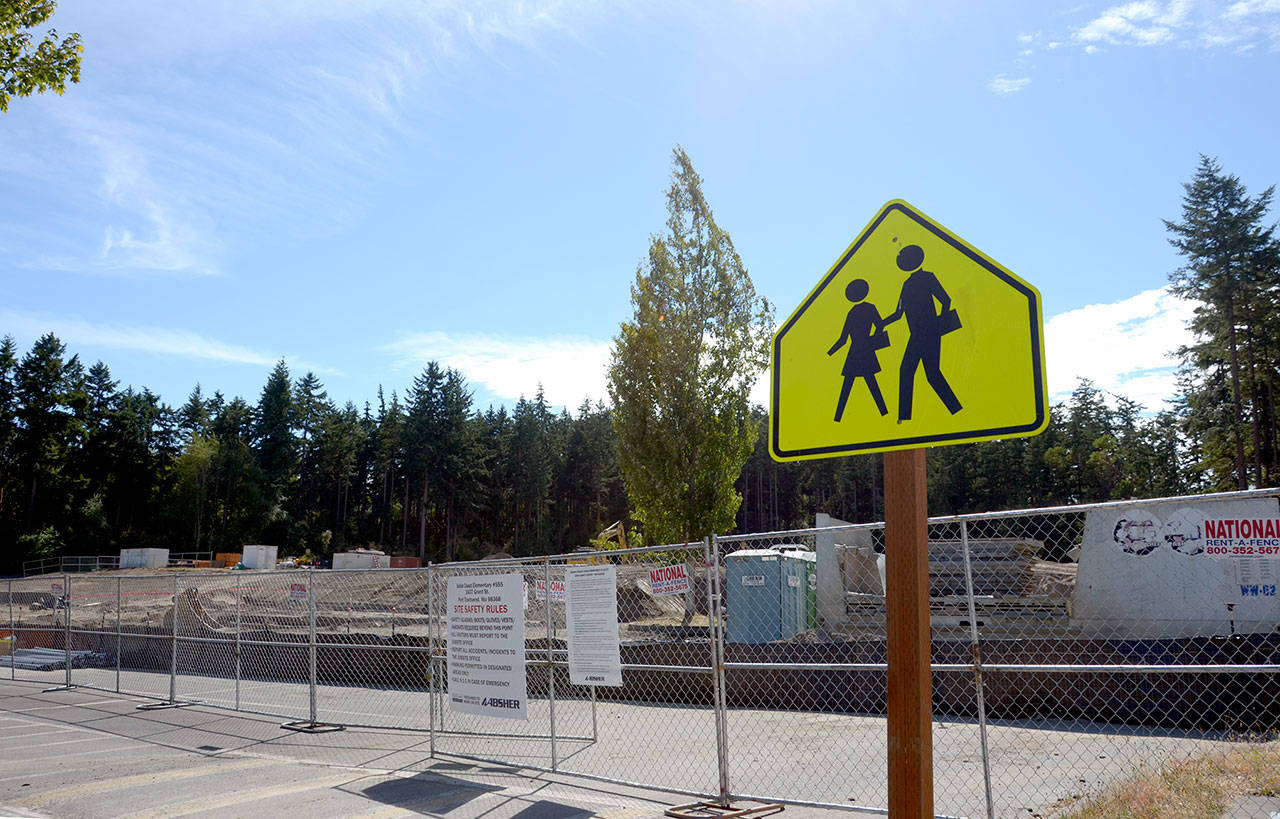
(1243, 25)
(1003, 85)
(1144, 23)
(1249, 8)
(1124, 347)
(568, 368)
(218, 116)
(77, 332)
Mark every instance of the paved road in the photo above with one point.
(65, 741)
(82, 753)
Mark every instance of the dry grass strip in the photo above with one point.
(1198, 787)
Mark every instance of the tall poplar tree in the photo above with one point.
(682, 368)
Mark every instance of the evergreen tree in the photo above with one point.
(242, 497)
(532, 461)
(421, 438)
(311, 410)
(457, 459)
(8, 421)
(276, 448)
(193, 417)
(494, 511)
(49, 392)
(588, 491)
(337, 446)
(1232, 268)
(389, 469)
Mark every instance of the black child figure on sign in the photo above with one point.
(926, 328)
(864, 331)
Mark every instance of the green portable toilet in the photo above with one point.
(800, 591)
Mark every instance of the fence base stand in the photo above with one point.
(715, 810)
(160, 706)
(308, 727)
(57, 688)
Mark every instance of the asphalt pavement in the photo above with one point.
(83, 753)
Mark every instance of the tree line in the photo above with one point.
(88, 467)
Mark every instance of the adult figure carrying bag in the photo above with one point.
(926, 327)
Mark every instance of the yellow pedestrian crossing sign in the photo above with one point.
(914, 338)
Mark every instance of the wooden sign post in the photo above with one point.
(910, 700)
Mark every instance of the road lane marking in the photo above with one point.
(243, 797)
(125, 782)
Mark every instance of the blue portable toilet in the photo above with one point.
(767, 595)
(753, 594)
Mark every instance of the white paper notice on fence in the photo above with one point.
(668, 580)
(591, 608)
(486, 646)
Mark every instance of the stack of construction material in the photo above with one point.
(1002, 568)
(52, 659)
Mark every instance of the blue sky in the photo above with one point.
(360, 186)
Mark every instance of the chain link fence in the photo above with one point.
(1075, 651)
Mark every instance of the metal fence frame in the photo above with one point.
(93, 563)
(57, 622)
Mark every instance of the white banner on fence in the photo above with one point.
(1187, 567)
(486, 646)
(592, 614)
(557, 590)
(668, 580)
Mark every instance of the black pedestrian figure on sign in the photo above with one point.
(865, 333)
(926, 327)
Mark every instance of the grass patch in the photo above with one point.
(1197, 787)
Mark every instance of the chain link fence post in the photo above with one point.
(66, 611)
(595, 732)
(977, 667)
(236, 648)
(13, 637)
(173, 643)
(119, 628)
(311, 647)
(715, 623)
(431, 658)
(551, 665)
